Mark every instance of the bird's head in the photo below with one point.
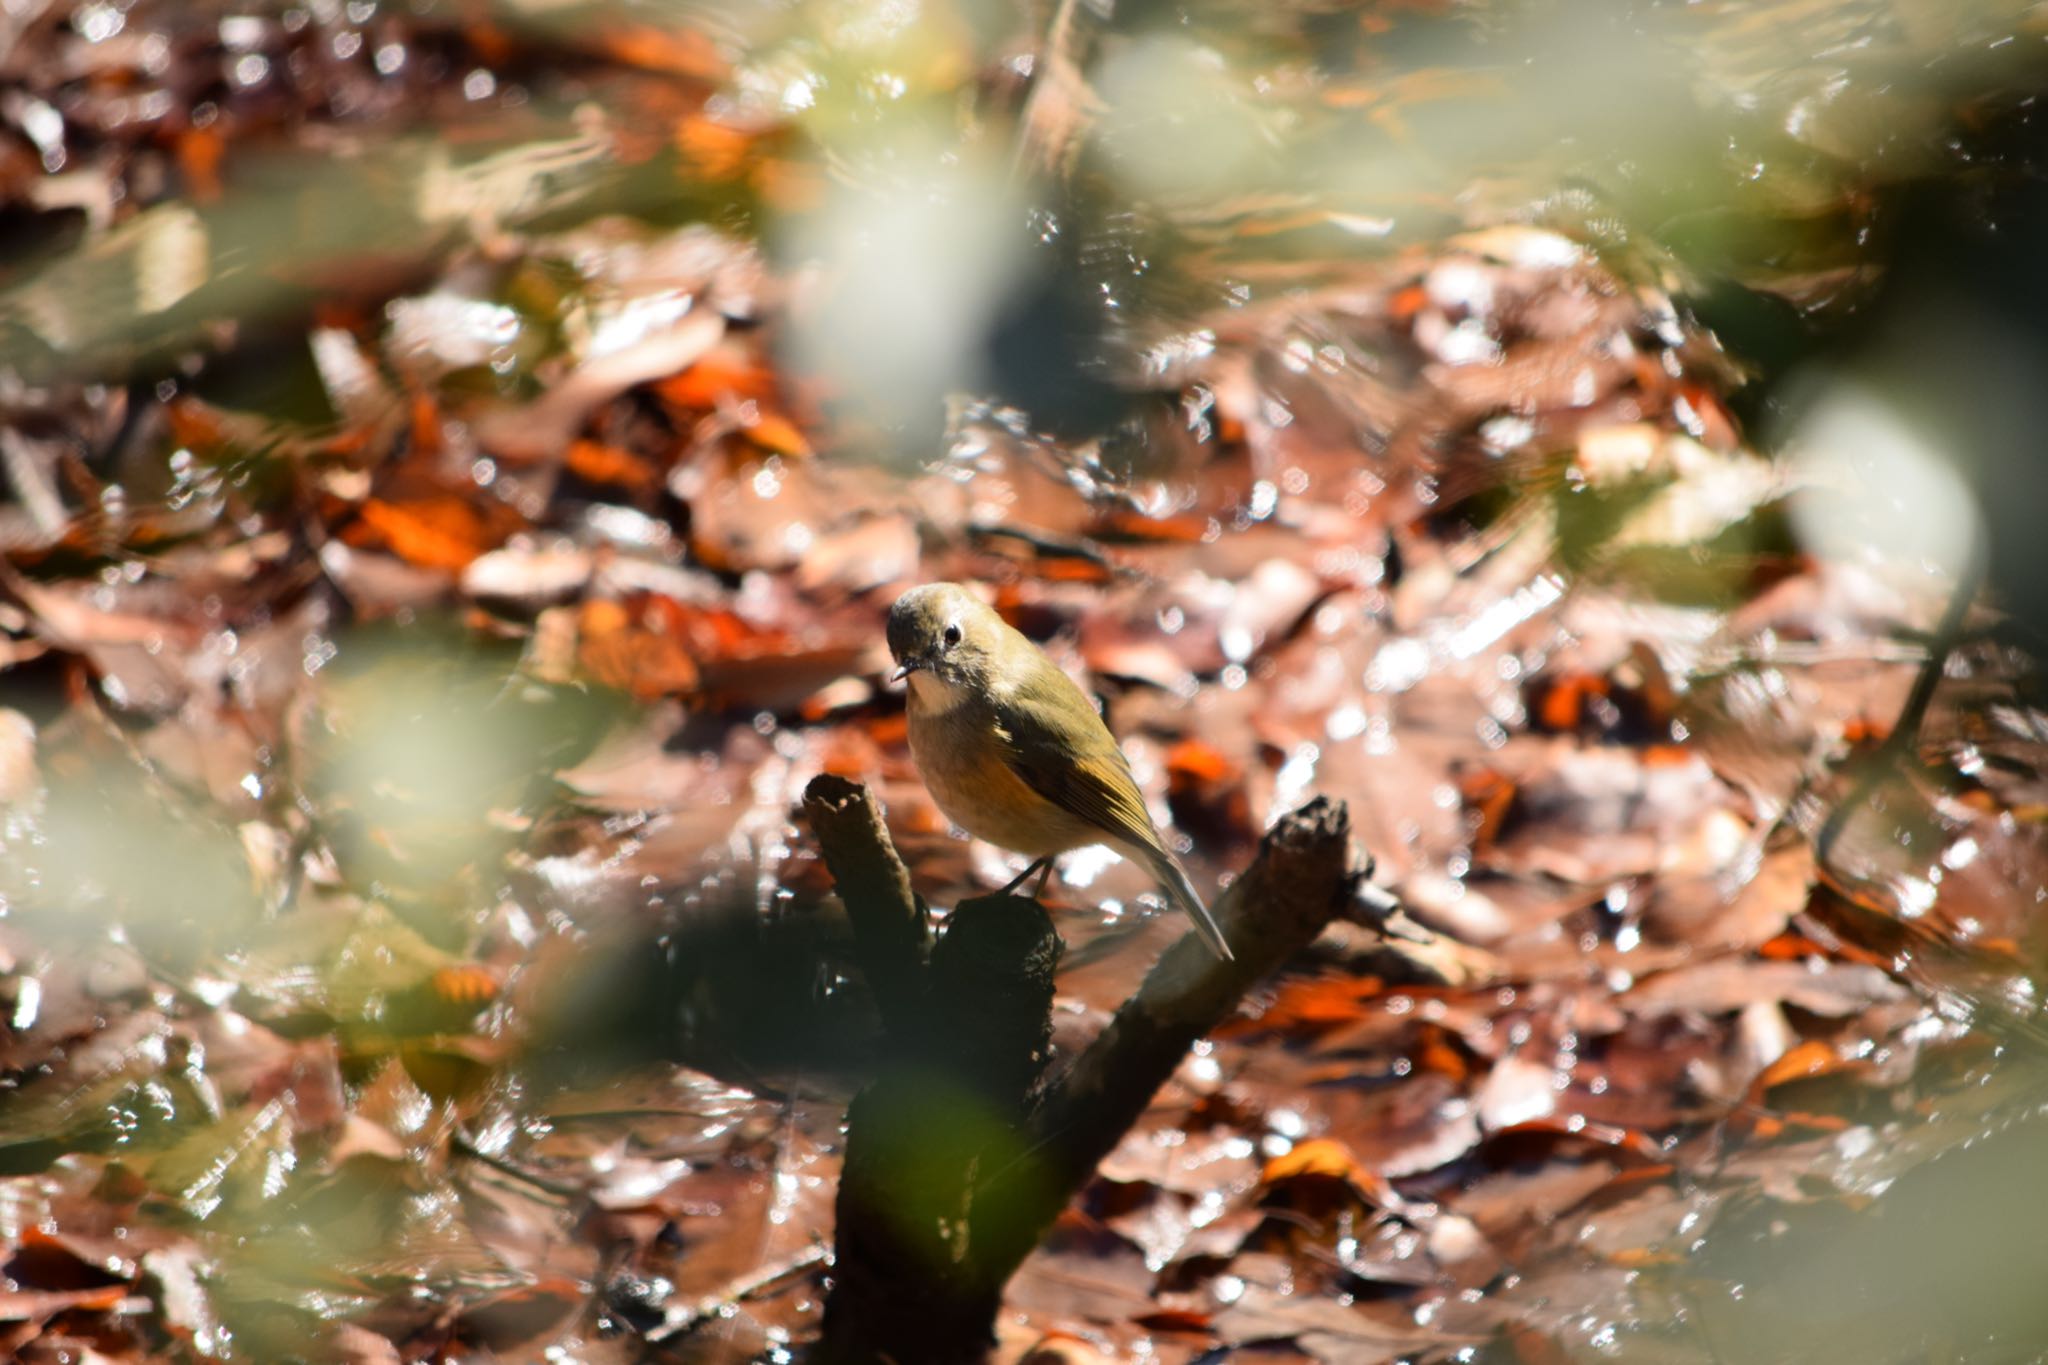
(945, 640)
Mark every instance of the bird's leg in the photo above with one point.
(1040, 864)
(1044, 876)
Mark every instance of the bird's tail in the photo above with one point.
(1173, 880)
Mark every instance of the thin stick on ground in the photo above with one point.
(1883, 762)
(763, 1281)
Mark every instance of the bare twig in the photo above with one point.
(463, 1147)
(1882, 762)
(763, 1281)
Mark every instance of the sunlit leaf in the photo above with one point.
(246, 1158)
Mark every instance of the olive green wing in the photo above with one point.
(1055, 742)
(1059, 747)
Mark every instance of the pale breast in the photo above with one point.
(957, 755)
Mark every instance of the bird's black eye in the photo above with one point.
(952, 636)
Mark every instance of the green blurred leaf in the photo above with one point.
(381, 961)
(246, 1157)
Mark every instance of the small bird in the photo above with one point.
(1012, 750)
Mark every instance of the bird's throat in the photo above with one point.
(932, 694)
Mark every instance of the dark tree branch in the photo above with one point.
(964, 1148)
(990, 997)
(912, 1280)
(890, 925)
(1302, 878)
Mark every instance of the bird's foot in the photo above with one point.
(1042, 866)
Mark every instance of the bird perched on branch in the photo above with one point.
(1013, 751)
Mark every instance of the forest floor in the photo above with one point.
(436, 565)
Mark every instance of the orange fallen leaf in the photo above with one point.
(1072, 569)
(1562, 706)
(426, 424)
(650, 644)
(617, 648)
(772, 431)
(1490, 795)
(491, 42)
(1311, 1004)
(466, 984)
(1327, 1159)
(1792, 946)
(601, 463)
(1762, 1127)
(1433, 1051)
(677, 51)
(1788, 947)
(441, 531)
(726, 371)
(200, 152)
(1186, 529)
(1317, 1156)
(1808, 1059)
(1407, 302)
(711, 149)
(195, 424)
(1191, 761)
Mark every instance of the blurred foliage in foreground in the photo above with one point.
(460, 453)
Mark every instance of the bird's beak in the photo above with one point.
(909, 668)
